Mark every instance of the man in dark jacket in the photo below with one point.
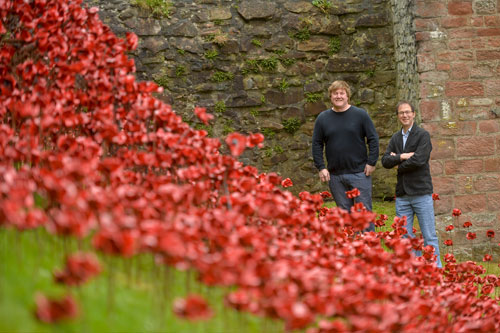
(409, 151)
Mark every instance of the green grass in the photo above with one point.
(141, 298)
(379, 207)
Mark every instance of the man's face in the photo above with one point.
(339, 99)
(405, 115)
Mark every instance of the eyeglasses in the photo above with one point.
(405, 113)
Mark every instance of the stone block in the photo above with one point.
(453, 167)
(251, 10)
(442, 148)
(487, 183)
(492, 165)
(313, 109)
(487, 55)
(489, 126)
(475, 146)
(444, 185)
(464, 88)
(493, 201)
(350, 64)
(470, 202)
(460, 8)
(433, 9)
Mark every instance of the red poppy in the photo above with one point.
(287, 183)
(448, 242)
(353, 193)
(490, 233)
(456, 212)
(202, 114)
(487, 289)
(255, 139)
(237, 143)
(487, 257)
(435, 196)
(449, 227)
(53, 310)
(193, 307)
(471, 235)
(80, 267)
(132, 41)
(325, 194)
(467, 224)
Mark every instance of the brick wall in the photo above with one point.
(458, 54)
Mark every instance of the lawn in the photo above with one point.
(131, 295)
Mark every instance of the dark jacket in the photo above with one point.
(414, 176)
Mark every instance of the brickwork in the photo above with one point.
(458, 55)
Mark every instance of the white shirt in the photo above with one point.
(405, 135)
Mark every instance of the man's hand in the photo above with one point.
(369, 169)
(406, 156)
(324, 175)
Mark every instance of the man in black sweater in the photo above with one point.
(341, 132)
(409, 150)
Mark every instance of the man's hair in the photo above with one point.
(405, 102)
(339, 85)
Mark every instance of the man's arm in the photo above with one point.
(318, 146)
(421, 155)
(373, 144)
(390, 158)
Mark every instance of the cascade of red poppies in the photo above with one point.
(87, 150)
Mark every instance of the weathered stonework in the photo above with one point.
(282, 56)
(458, 59)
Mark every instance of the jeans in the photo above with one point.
(423, 207)
(339, 184)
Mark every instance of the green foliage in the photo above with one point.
(323, 5)
(270, 151)
(228, 127)
(268, 64)
(291, 125)
(162, 81)
(254, 112)
(159, 8)
(279, 52)
(181, 51)
(284, 85)
(334, 45)
(40, 201)
(287, 61)
(218, 22)
(262, 99)
(220, 76)
(256, 42)
(278, 149)
(217, 38)
(211, 54)
(370, 72)
(269, 133)
(180, 70)
(303, 34)
(313, 97)
(220, 107)
(259, 65)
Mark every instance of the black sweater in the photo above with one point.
(414, 176)
(343, 134)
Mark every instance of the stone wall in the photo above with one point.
(458, 52)
(266, 66)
